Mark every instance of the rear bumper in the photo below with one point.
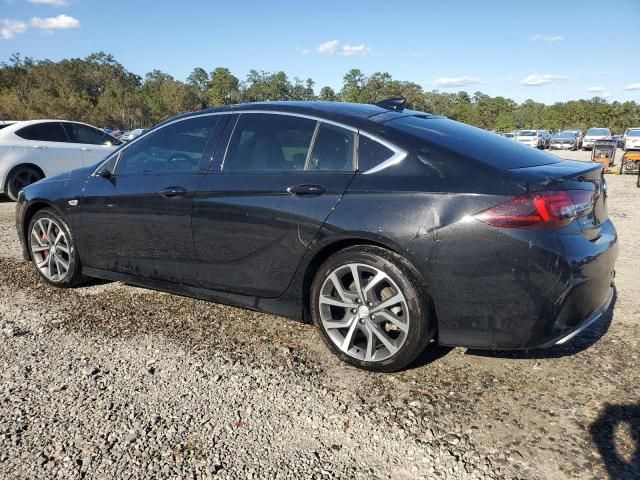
(517, 289)
(586, 323)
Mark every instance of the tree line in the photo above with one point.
(99, 90)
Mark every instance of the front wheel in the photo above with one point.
(371, 308)
(52, 249)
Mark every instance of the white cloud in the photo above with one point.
(305, 51)
(55, 3)
(600, 91)
(546, 38)
(632, 86)
(537, 80)
(350, 50)
(448, 82)
(59, 22)
(9, 28)
(328, 47)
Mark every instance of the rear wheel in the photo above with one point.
(19, 178)
(52, 249)
(371, 308)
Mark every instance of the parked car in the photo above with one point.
(381, 225)
(594, 134)
(532, 138)
(32, 150)
(566, 140)
(131, 134)
(631, 139)
(510, 135)
(546, 137)
(579, 135)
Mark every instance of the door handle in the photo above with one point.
(85, 149)
(38, 147)
(307, 190)
(172, 192)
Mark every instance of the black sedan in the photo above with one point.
(386, 227)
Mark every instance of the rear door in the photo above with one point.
(272, 186)
(48, 146)
(93, 143)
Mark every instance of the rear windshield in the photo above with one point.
(565, 135)
(633, 133)
(472, 142)
(527, 133)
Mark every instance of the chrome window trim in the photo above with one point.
(398, 154)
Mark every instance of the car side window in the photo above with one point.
(333, 149)
(177, 147)
(44, 132)
(269, 143)
(79, 133)
(371, 153)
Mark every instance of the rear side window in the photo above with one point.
(79, 133)
(333, 149)
(44, 132)
(177, 147)
(371, 153)
(471, 142)
(269, 143)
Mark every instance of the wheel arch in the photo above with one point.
(11, 171)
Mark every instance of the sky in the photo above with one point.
(544, 50)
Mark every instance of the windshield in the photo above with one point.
(634, 133)
(565, 135)
(599, 131)
(527, 133)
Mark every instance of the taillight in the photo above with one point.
(546, 209)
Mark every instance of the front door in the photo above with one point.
(138, 220)
(256, 214)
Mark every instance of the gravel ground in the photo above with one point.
(111, 381)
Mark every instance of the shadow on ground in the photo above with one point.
(577, 344)
(621, 455)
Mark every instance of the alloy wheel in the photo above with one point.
(51, 250)
(23, 179)
(363, 312)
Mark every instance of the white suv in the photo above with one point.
(32, 150)
(631, 139)
(533, 138)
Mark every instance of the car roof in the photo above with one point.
(353, 114)
(15, 126)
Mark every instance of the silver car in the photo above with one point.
(566, 140)
(593, 135)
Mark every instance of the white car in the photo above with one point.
(594, 134)
(533, 138)
(632, 139)
(32, 150)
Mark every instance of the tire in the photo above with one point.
(46, 229)
(20, 178)
(384, 339)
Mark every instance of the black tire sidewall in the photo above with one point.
(406, 278)
(13, 195)
(74, 276)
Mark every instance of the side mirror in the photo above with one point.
(104, 173)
